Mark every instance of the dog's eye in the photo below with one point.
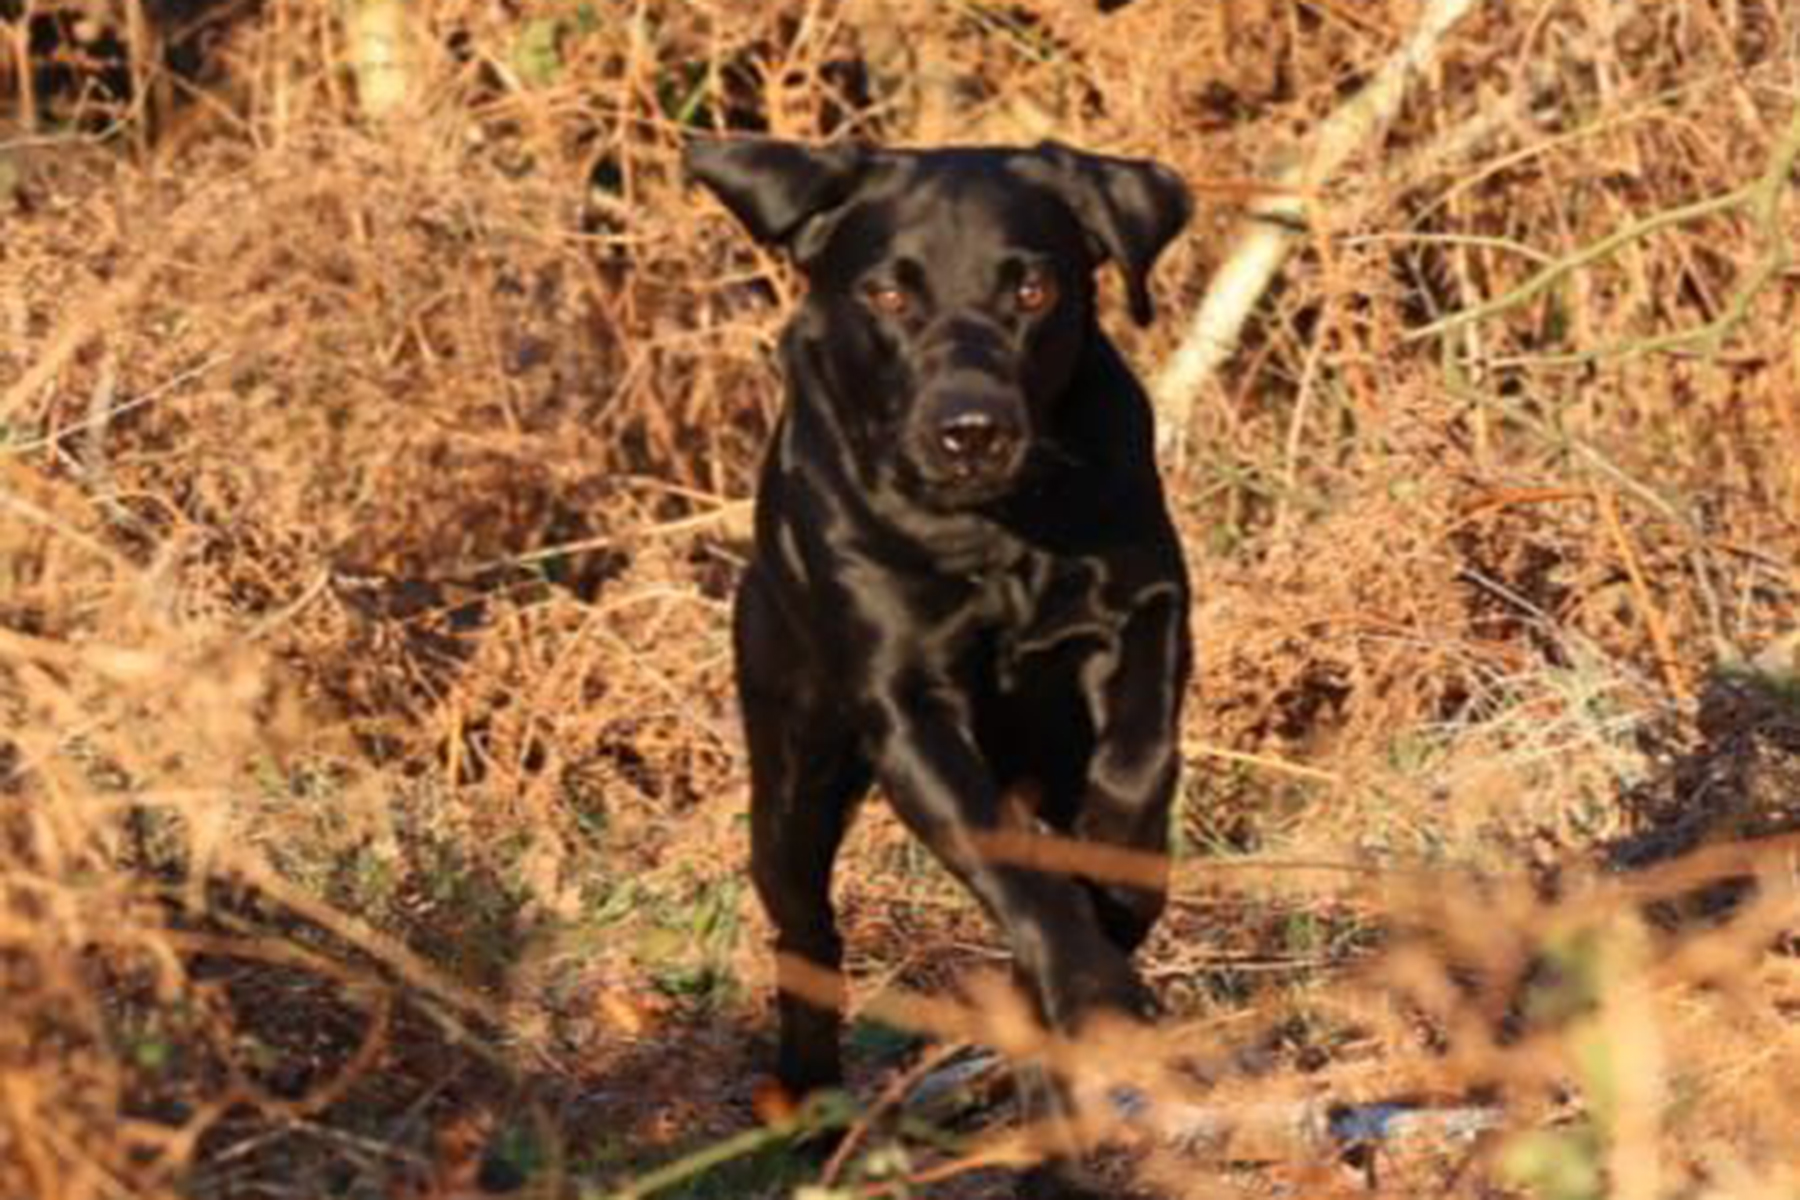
(1035, 293)
(890, 300)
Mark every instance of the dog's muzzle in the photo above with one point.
(974, 441)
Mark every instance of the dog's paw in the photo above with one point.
(1060, 1181)
(772, 1103)
(816, 1123)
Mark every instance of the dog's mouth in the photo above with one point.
(970, 492)
(961, 485)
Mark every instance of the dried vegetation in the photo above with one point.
(376, 412)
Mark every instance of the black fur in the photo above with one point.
(965, 585)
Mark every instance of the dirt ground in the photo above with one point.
(378, 409)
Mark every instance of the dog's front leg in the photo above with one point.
(1134, 696)
(943, 791)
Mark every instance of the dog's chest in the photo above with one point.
(1035, 607)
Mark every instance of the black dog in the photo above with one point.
(965, 584)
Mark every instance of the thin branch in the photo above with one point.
(1572, 444)
(1763, 195)
(1563, 267)
(1260, 761)
(1474, 240)
(1276, 223)
(1667, 661)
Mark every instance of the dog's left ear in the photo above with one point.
(1131, 207)
(776, 188)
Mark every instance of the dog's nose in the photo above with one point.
(977, 439)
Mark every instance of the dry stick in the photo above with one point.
(1264, 762)
(1569, 264)
(1573, 444)
(142, 52)
(21, 51)
(890, 1098)
(1011, 1151)
(1475, 241)
(1660, 640)
(1296, 431)
(1515, 498)
(1276, 224)
(24, 508)
(732, 518)
(1654, 105)
(89, 320)
(99, 417)
(1762, 194)
(1557, 436)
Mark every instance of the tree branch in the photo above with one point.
(1763, 195)
(1276, 223)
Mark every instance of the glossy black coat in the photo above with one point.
(1000, 641)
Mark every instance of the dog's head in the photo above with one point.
(950, 292)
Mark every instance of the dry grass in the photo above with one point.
(374, 422)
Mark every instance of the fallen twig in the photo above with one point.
(892, 1096)
(1654, 621)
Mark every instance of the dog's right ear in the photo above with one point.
(777, 188)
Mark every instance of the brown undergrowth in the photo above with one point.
(375, 422)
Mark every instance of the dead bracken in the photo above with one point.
(377, 408)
